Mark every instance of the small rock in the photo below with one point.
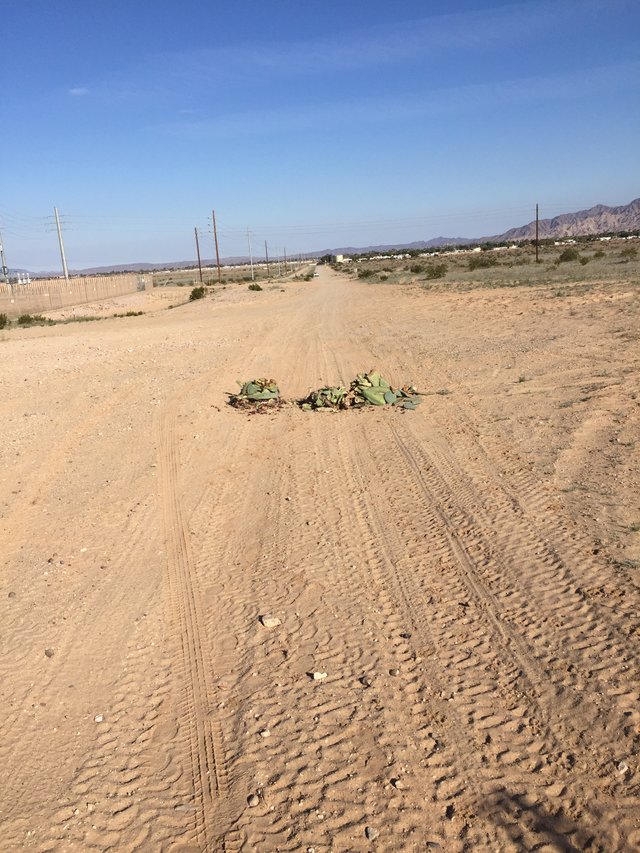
(265, 733)
(624, 770)
(49, 653)
(450, 811)
(253, 800)
(365, 681)
(405, 635)
(11, 595)
(371, 832)
(394, 671)
(319, 676)
(99, 718)
(398, 784)
(270, 621)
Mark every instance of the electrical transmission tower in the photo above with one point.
(5, 270)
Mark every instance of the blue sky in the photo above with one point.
(313, 124)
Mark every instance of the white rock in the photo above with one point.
(270, 621)
(319, 676)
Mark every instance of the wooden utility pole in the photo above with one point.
(266, 255)
(195, 231)
(537, 260)
(215, 237)
(284, 252)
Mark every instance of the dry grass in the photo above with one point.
(598, 263)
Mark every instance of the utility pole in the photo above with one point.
(284, 252)
(266, 255)
(215, 237)
(250, 254)
(5, 270)
(537, 260)
(279, 272)
(195, 231)
(64, 260)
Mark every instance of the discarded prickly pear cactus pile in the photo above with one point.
(256, 394)
(367, 389)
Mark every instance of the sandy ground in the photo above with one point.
(466, 575)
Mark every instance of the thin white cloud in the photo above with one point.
(457, 100)
(78, 91)
(377, 45)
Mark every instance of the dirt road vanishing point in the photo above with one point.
(466, 575)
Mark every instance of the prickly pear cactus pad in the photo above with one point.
(367, 389)
(256, 394)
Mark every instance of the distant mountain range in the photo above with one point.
(599, 219)
(596, 220)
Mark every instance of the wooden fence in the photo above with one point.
(48, 294)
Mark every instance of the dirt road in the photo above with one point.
(466, 575)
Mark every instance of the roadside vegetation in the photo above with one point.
(239, 274)
(25, 321)
(563, 267)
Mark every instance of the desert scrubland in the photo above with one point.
(466, 575)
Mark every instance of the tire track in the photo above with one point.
(203, 735)
(546, 714)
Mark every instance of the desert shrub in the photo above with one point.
(584, 261)
(436, 271)
(416, 268)
(599, 254)
(197, 293)
(384, 278)
(254, 286)
(33, 319)
(480, 262)
(366, 274)
(4, 321)
(629, 252)
(568, 255)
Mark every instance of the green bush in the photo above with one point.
(479, 262)
(568, 255)
(254, 286)
(436, 271)
(4, 321)
(366, 274)
(197, 293)
(416, 268)
(629, 252)
(33, 319)
(584, 261)
(599, 254)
